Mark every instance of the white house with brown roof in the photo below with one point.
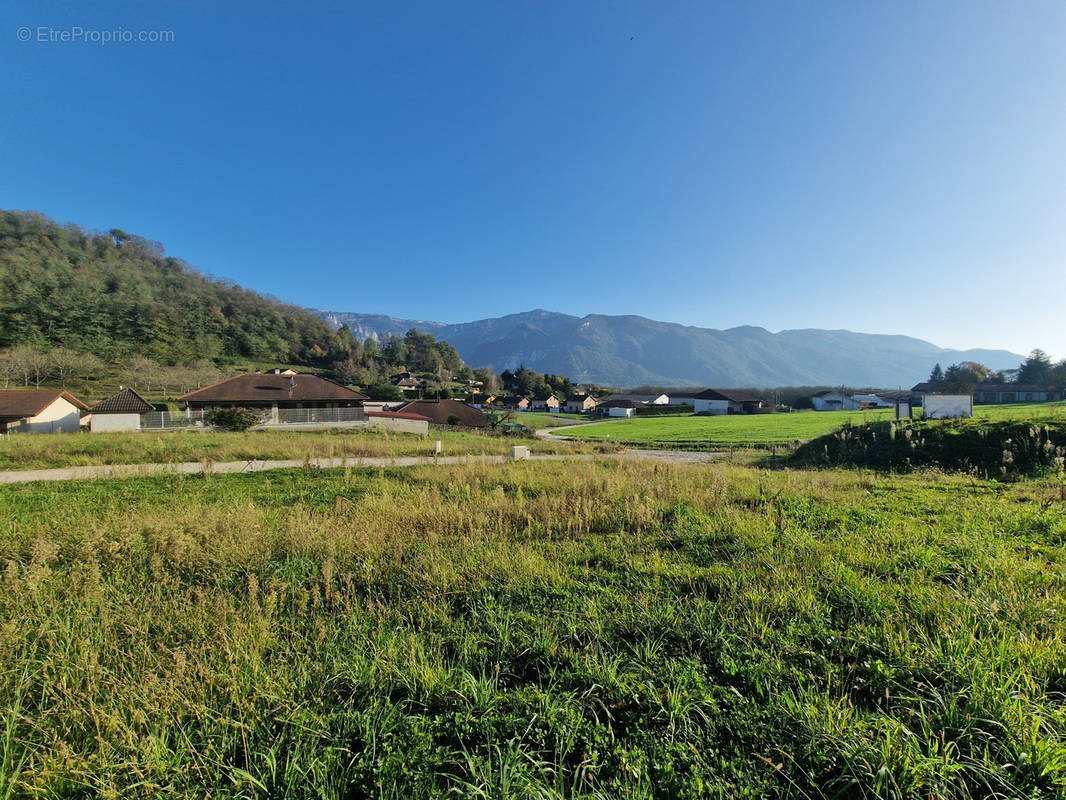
(120, 412)
(40, 411)
(728, 401)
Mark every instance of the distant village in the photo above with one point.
(286, 398)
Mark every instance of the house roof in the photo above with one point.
(542, 398)
(636, 398)
(732, 395)
(580, 398)
(439, 410)
(19, 404)
(513, 400)
(257, 388)
(396, 415)
(127, 401)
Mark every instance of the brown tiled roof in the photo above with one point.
(732, 395)
(258, 388)
(19, 404)
(127, 401)
(439, 411)
(396, 415)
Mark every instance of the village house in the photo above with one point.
(120, 412)
(729, 401)
(580, 404)
(545, 402)
(990, 393)
(443, 412)
(620, 407)
(515, 403)
(272, 394)
(478, 400)
(40, 411)
(646, 399)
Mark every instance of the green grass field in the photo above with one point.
(764, 429)
(626, 629)
(538, 419)
(39, 451)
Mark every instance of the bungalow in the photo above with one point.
(40, 411)
(270, 393)
(545, 402)
(120, 412)
(834, 400)
(443, 412)
(620, 407)
(729, 401)
(516, 403)
(643, 399)
(1014, 393)
(580, 404)
(682, 400)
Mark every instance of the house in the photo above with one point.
(682, 400)
(281, 371)
(867, 401)
(403, 376)
(406, 383)
(120, 412)
(478, 400)
(620, 407)
(443, 412)
(40, 411)
(994, 392)
(580, 404)
(516, 402)
(834, 400)
(729, 401)
(270, 393)
(545, 402)
(1014, 393)
(645, 399)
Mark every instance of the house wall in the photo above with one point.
(115, 422)
(621, 412)
(61, 416)
(710, 406)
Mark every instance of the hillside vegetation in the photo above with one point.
(534, 631)
(117, 294)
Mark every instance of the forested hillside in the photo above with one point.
(116, 294)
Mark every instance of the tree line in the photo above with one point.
(1037, 370)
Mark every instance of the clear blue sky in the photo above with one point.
(881, 167)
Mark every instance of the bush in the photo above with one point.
(232, 419)
(454, 420)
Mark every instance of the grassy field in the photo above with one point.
(38, 451)
(540, 419)
(763, 429)
(626, 629)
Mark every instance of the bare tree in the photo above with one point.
(8, 368)
(32, 364)
(65, 364)
(142, 372)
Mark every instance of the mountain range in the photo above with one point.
(631, 350)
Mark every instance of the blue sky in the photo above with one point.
(881, 167)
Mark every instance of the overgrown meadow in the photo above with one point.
(602, 629)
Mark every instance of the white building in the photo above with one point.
(120, 412)
(40, 411)
(728, 401)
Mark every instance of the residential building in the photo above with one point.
(40, 411)
(271, 393)
(729, 401)
(120, 412)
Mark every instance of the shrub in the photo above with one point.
(233, 419)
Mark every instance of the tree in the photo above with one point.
(937, 375)
(142, 372)
(65, 364)
(1036, 369)
(495, 417)
(32, 364)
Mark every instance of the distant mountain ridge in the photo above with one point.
(632, 350)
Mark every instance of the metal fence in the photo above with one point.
(164, 420)
(309, 416)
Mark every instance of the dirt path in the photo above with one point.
(255, 465)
